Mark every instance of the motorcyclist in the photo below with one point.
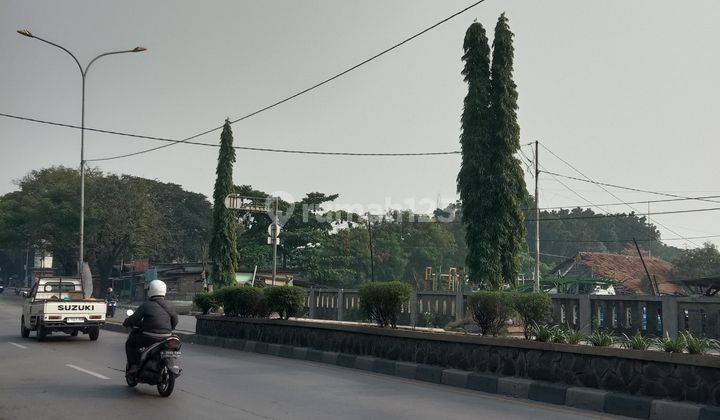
(155, 320)
(111, 300)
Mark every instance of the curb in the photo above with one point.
(591, 399)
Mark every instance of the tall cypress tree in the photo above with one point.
(505, 138)
(223, 245)
(476, 181)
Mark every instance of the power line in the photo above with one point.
(600, 216)
(666, 200)
(608, 191)
(625, 240)
(306, 90)
(256, 149)
(630, 188)
(573, 191)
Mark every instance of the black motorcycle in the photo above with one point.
(111, 306)
(159, 365)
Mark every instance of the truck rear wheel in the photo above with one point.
(24, 332)
(94, 333)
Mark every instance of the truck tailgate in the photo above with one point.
(75, 311)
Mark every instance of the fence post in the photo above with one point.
(413, 309)
(312, 303)
(459, 305)
(340, 304)
(585, 321)
(670, 316)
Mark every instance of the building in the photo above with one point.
(625, 274)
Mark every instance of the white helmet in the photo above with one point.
(157, 288)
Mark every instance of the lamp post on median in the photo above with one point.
(83, 73)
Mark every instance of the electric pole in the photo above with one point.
(536, 286)
(372, 259)
(275, 235)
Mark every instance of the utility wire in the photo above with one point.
(630, 188)
(306, 90)
(625, 240)
(573, 191)
(666, 200)
(600, 216)
(608, 191)
(256, 149)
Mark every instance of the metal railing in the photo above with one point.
(651, 315)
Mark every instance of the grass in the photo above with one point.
(698, 345)
(636, 342)
(670, 345)
(601, 338)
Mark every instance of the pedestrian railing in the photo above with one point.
(651, 315)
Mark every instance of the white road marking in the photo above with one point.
(97, 375)
(20, 346)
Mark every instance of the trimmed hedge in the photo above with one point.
(205, 302)
(241, 301)
(490, 310)
(382, 301)
(287, 301)
(532, 308)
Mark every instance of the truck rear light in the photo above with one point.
(95, 316)
(54, 317)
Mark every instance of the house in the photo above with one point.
(626, 272)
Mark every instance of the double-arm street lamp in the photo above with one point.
(83, 73)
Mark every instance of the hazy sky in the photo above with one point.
(627, 91)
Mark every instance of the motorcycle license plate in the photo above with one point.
(74, 320)
(170, 354)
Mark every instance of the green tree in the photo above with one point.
(505, 143)
(698, 262)
(223, 245)
(121, 222)
(184, 226)
(476, 181)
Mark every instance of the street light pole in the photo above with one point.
(83, 74)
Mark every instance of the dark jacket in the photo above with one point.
(153, 316)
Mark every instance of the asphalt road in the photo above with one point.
(74, 378)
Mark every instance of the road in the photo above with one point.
(74, 378)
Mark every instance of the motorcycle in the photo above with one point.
(159, 365)
(111, 306)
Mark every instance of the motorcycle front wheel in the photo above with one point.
(166, 384)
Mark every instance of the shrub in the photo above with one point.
(205, 302)
(545, 332)
(574, 336)
(601, 338)
(382, 301)
(287, 301)
(672, 346)
(490, 310)
(240, 301)
(532, 308)
(636, 342)
(698, 345)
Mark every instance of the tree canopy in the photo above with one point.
(126, 218)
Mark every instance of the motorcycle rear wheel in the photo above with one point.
(166, 384)
(131, 380)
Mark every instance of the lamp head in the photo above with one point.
(25, 32)
(139, 49)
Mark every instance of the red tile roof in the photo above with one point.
(629, 271)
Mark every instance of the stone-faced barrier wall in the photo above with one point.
(657, 374)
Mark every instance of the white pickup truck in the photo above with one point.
(59, 304)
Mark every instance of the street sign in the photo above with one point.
(274, 230)
(239, 202)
